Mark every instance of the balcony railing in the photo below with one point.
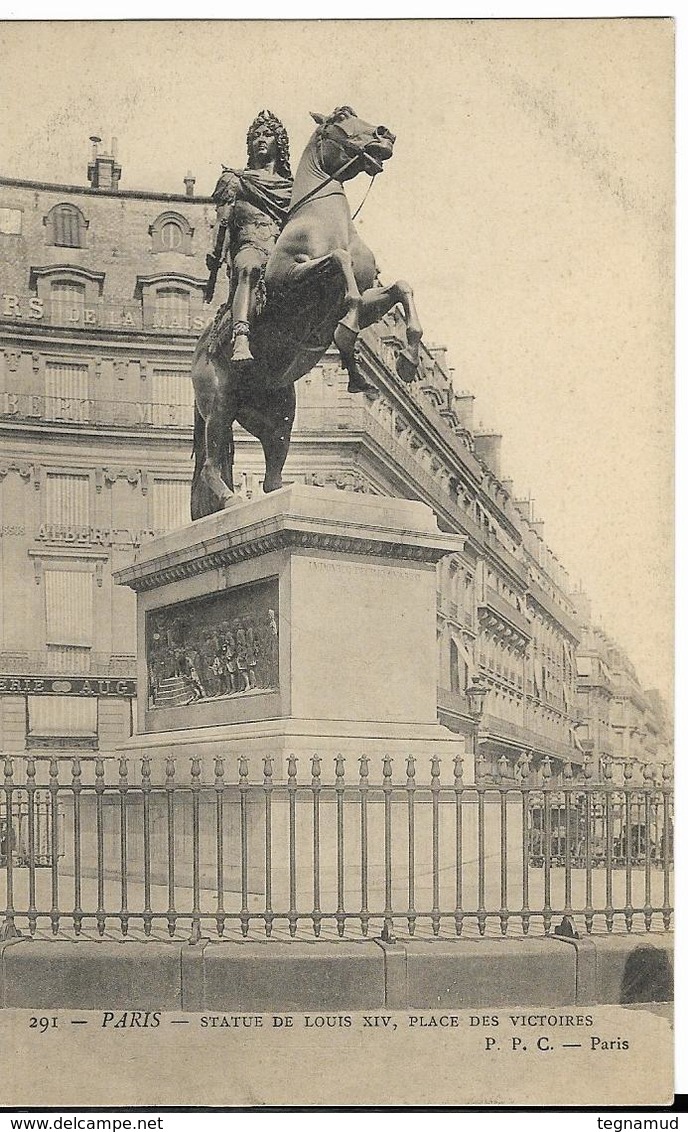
(326, 849)
(36, 408)
(494, 727)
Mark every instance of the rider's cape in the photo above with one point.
(272, 195)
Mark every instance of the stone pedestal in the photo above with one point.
(303, 623)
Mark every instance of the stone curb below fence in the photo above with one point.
(366, 975)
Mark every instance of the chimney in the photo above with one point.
(439, 354)
(524, 508)
(488, 448)
(189, 182)
(581, 604)
(463, 403)
(103, 170)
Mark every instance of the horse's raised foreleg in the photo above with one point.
(341, 261)
(376, 302)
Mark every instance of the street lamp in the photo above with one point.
(476, 692)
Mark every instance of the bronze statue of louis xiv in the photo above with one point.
(252, 206)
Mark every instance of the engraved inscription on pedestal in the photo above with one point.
(217, 647)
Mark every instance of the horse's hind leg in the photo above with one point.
(219, 441)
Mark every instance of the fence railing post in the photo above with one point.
(589, 833)
(268, 915)
(292, 916)
(9, 929)
(503, 768)
(243, 822)
(668, 836)
(316, 787)
(170, 768)
(609, 842)
(547, 864)
(363, 784)
(340, 915)
(524, 774)
(77, 786)
(480, 773)
(435, 787)
(219, 844)
(31, 822)
(628, 841)
(100, 854)
(123, 787)
(387, 788)
(411, 816)
(195, 935)
(53, 791)
(648, 786)
(458, 843)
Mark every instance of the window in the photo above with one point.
(66, 392)
(171, 232)
(69, 607)
(172, 308)
(66, 226)
(67, 500)
(171, 504)
(173, 398)
(171, 235)
(10, 221)
(458, 669)
(63, 716)
(67, 302)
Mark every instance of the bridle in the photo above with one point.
(353, 151)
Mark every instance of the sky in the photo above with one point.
(528, 202)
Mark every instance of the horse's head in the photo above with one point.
(351, 146)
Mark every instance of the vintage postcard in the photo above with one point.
(336, 634)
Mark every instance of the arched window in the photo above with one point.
(171, 232)
(66, 226)
(171, 235)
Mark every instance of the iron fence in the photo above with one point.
(177, 848)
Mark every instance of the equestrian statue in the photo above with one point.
(300, 278)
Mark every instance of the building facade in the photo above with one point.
(101, 301)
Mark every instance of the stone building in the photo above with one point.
(101, 299)
(619, 720)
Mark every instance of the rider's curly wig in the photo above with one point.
(267, 118)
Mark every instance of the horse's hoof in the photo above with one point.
(407, 366)
(345, 339)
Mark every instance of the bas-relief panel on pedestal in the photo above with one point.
(208, 648)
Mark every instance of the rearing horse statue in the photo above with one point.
(319, 285)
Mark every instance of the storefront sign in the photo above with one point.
(67, 686)
(89, 536)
